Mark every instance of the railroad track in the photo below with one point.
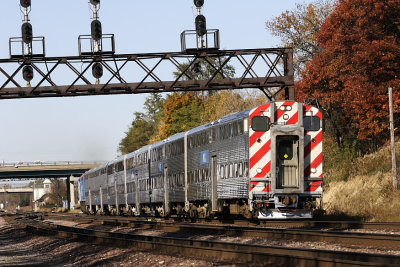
(224, 251)
(337, 237)
(309, 224)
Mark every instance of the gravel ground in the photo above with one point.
(18, 248)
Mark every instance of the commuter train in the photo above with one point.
(263, 163)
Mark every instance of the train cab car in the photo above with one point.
(285, 160)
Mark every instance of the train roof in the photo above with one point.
(223, 120)
(226, 119)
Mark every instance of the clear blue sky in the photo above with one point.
(90, 128)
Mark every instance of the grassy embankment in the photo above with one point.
(362, 187)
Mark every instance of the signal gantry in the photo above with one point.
(268, 69)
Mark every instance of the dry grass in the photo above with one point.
(367, 193)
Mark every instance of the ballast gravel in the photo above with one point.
(18, 248)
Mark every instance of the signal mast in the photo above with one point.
(97, 34)
(27, 36)
(200, 22)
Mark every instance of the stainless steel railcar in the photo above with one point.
(264, 163)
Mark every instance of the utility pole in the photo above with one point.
(392, 143)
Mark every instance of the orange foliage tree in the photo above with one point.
(182, 111)
(360, 59)
(297, 29)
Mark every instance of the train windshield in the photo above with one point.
(286, 149)
(260, 123)
(312, 123)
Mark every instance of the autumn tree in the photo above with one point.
(360, 59)
(226, 102)
(58, 191)
(182, 111)
(298, 29)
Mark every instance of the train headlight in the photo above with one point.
(285, 108)
(285, 117)
(259, 170)
(313, 170)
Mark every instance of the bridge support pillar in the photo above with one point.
(70, 192)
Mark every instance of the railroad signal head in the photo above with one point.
(196, 68)
(25, 3)
(96, 30)
(198, 3)
(201, 27)
(27, 73)
(97, 70)
(26, 30)
(95, 2)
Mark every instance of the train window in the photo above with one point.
(227, 131)
(240, 169)
(246, 169)
(205, 138)
(230, 130)
(236, 171)
(286, 149)
(202, 175)
(156, 154)
(222, 172)
(312, 123)
(213, 135)
(260, 123)
(119, 166)
(240, 127)
(190, 177)
(235, 128)
(199, 139)
(190, 141)
(110, 169)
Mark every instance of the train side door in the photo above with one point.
(166, 191)
(214, 199)
(287, 161)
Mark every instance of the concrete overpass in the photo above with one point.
(16, 190)
(32, 170)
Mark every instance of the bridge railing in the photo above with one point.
(48, 163)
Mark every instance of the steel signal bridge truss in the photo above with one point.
(270, 70)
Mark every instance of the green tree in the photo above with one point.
(138, 134)
(298, 29)
(144, 125)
